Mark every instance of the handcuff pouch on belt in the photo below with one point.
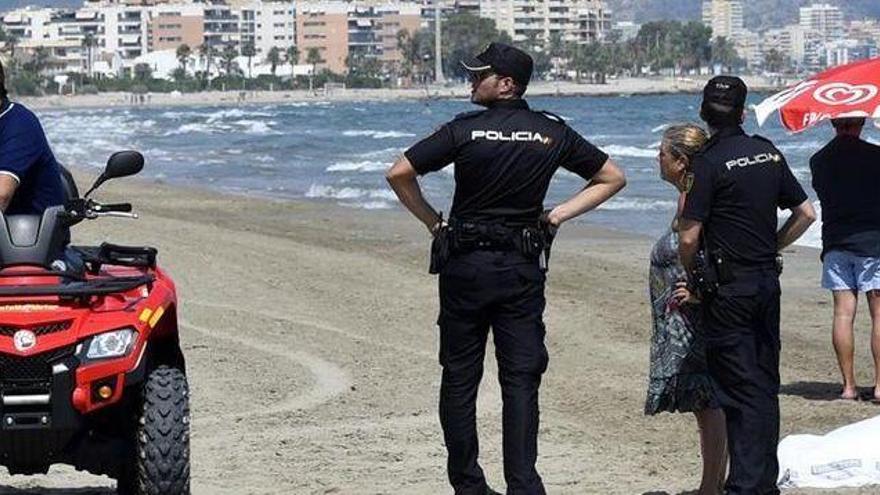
(466, 236)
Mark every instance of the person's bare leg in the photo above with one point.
(713, 446)
(874, 306)
(845, 303)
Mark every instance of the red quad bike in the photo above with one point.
(91, 371)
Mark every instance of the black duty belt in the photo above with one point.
(487, 236)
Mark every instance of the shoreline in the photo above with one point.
(616, 87)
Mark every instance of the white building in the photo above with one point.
(725, 17)
(824, 19)
(790, 40)
(265, 25)
(581, 21)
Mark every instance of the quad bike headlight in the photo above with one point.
(116, 343)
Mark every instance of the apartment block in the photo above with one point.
(323, 27)
(172, 25)
(581, 21)
(790, 40)
(725, 17)
(265, 25)
(824, 19)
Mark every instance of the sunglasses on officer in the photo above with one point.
(479, 76)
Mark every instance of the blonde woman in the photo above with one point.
(679, 380)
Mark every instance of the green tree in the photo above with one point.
(143, 73)
(465, 35)
(691, 45)
(313, 58)
(227, 58)
(10, 43)
(363, 71)
(723, 52)
(183, 53)
(291, 56)
(249, 51)
(89, 41)
(274, 58)
(206, 51)
(417, 53)
(775, 61)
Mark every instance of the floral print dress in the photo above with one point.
(678, 378)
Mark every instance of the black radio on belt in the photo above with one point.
(710, 270)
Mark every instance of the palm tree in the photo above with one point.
(292, 57)
(227, 56)
(88, 42)
(249, 51)
(183, 54)
(274, 58)
(11, 43)
(313, 58)
(206, 51)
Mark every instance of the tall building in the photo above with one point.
(172, 25)
(265, 25)
(322, 27)
(824, 19)
(581, 21)
(790, 40)
(725, 17)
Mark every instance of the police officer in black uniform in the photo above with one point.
(739, 182)
(504, 158)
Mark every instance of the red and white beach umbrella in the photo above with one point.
(851, 90)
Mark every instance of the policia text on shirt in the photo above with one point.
(496, 246)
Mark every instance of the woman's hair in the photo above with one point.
(685, 140)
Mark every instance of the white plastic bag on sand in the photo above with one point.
(846, 457)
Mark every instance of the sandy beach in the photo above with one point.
(312, 354)
(614, 87)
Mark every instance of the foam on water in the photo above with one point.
(637, 204)
(809, 146)
(362, 166)
(331, 192)
(233, 113)
(377, 134)
(258, 127)
(630, 151)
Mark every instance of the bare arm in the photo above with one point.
(605, 183)
(688, 242)
(802, 216)
(402, 178)
(8, 185)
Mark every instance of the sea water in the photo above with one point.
(337, 151)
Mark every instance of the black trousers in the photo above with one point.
(742, 339)
(505, 292)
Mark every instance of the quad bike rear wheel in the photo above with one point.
(161, 466)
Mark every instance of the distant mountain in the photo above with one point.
(759, 14)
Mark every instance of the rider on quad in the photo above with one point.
(30, 177)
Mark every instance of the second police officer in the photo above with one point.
(494, 278)
(739, 182)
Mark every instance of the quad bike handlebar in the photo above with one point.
(81, 209)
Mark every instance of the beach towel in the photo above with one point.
(846, 457)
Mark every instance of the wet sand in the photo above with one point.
(312, 353)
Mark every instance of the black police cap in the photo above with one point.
(725, 92)
(503, 60)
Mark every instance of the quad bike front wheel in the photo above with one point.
(162, 444)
